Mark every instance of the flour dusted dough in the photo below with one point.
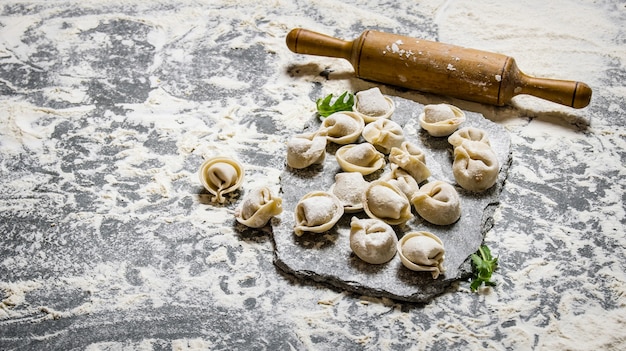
(402, 180)
(343, 127)
(348, 187)
(441, 119)
(384, 134)
(438, 203)
(317, 212)
(372, 105)
(475, 166)
(362, 158)
(372, 240)
(221, 175)
(468, 133)
(411, 159)
(386, 202)
(422, 252)
(304, 150)
(258, 207)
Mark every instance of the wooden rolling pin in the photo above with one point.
(438, 68)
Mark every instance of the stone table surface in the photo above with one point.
(109, 242)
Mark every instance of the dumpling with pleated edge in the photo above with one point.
(342, 127)
(475, 166)
(220, 176)
(422, 251)
(258, 207)
(362, 158)
(348, 187)
(468, 133)
(441, 120)
(372, 240)
(317, 212)
(304, 150)
(411, 159)
(402, 180)
(386, 202)
(384, 134)
(438, 203)
(372, 105)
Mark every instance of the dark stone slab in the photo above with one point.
(327, 257)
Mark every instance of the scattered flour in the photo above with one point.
(202, 129)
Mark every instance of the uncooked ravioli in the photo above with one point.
(304, 150)
(384, 134)
(475, 166)
(438, 203)
(372, 240)
(362, 158)
(411, 159)
(317, 212)
(342, 127)
(386, 202)
(422, 252)
(441, 120)
(258, 207)
(221, 175)
(348, 188)
(372, 105)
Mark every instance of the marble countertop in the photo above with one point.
(109, 242)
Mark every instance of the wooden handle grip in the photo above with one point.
(564, 92)
(438, 68)
(304, 41)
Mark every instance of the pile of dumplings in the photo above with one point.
(368, 140)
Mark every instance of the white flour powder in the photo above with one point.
(576, 46)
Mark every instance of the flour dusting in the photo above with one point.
(108, 109)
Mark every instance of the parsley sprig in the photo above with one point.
(484, 265)
(344, 102)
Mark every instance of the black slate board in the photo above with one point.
(327, 257)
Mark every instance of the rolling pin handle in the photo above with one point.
(564, 92)
(582, 95)
(303, 41)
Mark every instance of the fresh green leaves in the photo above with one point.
(484, 265)
(343, 103)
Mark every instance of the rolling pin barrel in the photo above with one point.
(438, 68)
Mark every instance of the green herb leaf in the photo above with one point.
(484, 265)
(344, 102)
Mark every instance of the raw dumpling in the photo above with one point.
(343, 127)
(258, 207)
(384, 134)
(371, 104)
(468, 133)
(438, 203)
(441, 119)
(362, 158)
(475, 166)
(402, 180)
(317, 212)
(221, 175)
(386, 202)
(304, 150)
(348, 188)
(422, 252)
(411, 159)
(372, 240)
